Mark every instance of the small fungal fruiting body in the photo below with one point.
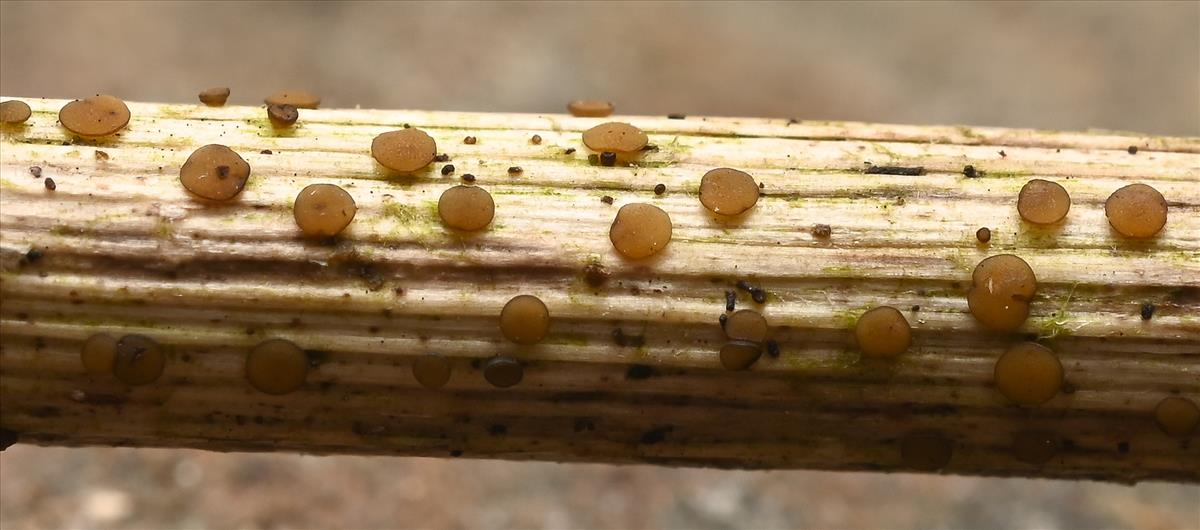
(431, 370)
(215, 97)
(821, 231)
(1043, 202)
(1177, 416)
(883, 332)
(983, 235)
(1034, 447)
(536, 139)
(728, 191)
(740, 354)
(468, 178)
(405, 150)
(746, 325)
(466, 208)
(1137, 211)
(35, 171)
(525, 320)
(607, 199)
(970, 172)
(660, 188)
(1133, 149)
(926, 451)
(640, 230)
(323, 210)
(1147, 311)
(214, 172)
(470, 140)
(94, 117)
(503, 372)
(139, 360)
(1029, 374)
(1001, 290)
(282, 116)
(590, 108)
(514, 170)
(447, 169)
(99, 354)
(296, 98)
(730, 300)
(276, 367)
(622, 139)
(49, 183)
(13, 112)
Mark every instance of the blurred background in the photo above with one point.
(1113, 65)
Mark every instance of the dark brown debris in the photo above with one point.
(606, 199)
(50, 185)
(470, 140)
(447, 169)
(821, 231)
(660, 189)
(608, 158)
(896, 170)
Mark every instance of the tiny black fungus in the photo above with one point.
(36, 171)
(569, 151)
(730, 300)
(608, 158)
(606, 199)
(470, 140)
(515, 170)
(7, 439)
(535, 139)
(723, 319)
(915, 308)
(266, 152)
(49, 183)
(895, 170)
(655, 435)
(660, 189)
(1133, 149)
(447, 169)
(969, 172)
(33, 255)
(1147, 311)
(442, 158)
(467, 177)
(640, 371)
(822, 231)
(1123, 447)
(1003, 154)
(773, 348)
(984, 234)
(595, 274)
(759, 296)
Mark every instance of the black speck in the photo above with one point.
(916, 308)
(33, 255)
(675, 116)
(1147, 311)
(773, 348)
(569, 151)
(655, 435)
(640, 371)
(50, 185)
(759, 296)
(723, 319)
(467, 177)
(730, 300)
(266, 152)
(456, 453)
(470, 140)
(1003, 154)
(515, 170)
(606, 199)
(660, 189)
(1132, 150)
(1123, 447)
(608, 158)
(536, 139)
(447, 169)
(36, 171)
(442, 158)
(822, 231)
(969, 172)
(316, 357)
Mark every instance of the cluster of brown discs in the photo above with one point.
(133, 359)
(1136, 211)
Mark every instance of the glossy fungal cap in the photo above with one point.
(139, 361)
(1034, 447)
(99, 354)
(1043, 202)
(431, 370)
(276, 366)
(503, 372)
(640, 230)
(590, 108)
(323, 210)
(883, 332)
(926, 451)
(466, 208)
(282, 116)
(746, 325)
(525, 320)
(1177, 416)
(297, 98)
(740, 354)
(404, 150)
(728, 191)
(215, 97)
(1001, 288)
(1028, 374)
(96, 116)
(14, 111)
(615, 137)
(1137, 210)
(214, 172)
